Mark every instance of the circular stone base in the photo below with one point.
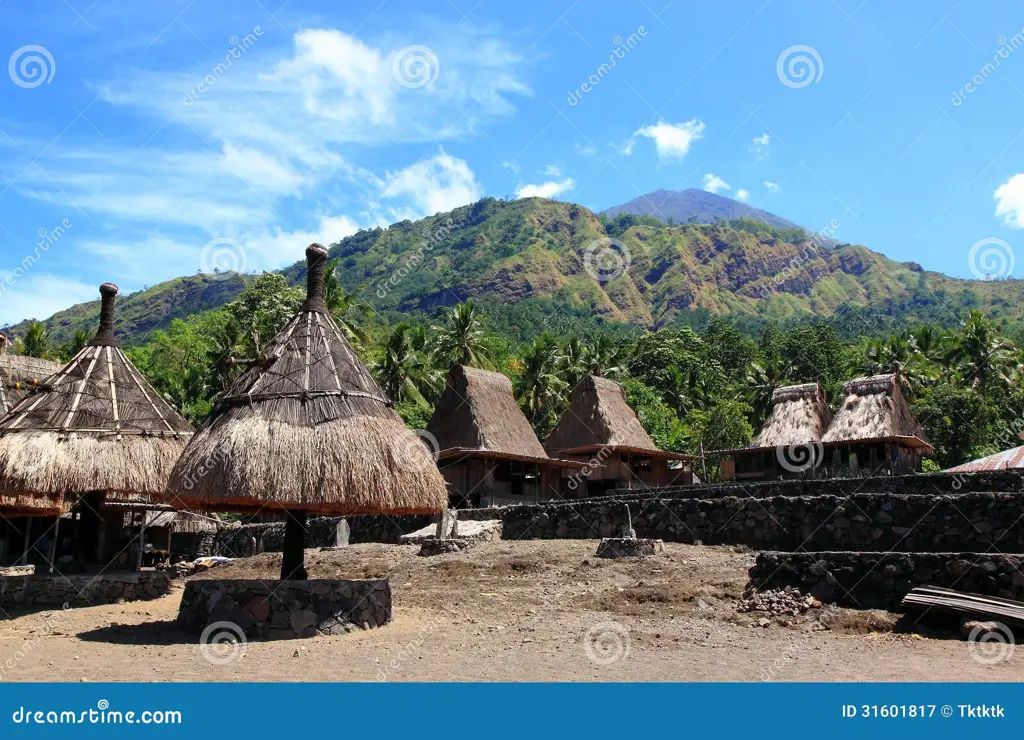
(279, 610)
(629, 547)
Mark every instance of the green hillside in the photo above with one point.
(533, 252)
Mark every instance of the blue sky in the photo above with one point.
(128, 139)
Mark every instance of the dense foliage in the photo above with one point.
(693, 389)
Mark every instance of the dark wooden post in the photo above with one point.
(53, 545)
(293, 551)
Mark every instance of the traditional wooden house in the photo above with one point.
(789, 443)
(600, 430)
(488, 452)
(874, 431)
(19, 374)
(306, 429)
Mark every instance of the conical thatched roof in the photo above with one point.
(874, 409)
(183, 522)
(18, 374)
(307, 428)
(94, 426)
(799, 416)
(598, 416)
(478, 411)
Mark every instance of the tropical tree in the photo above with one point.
(980, 355)
(463, 339)
(78, 340)
(762, 379)
(540, 389)
(405, 373)
(347, 310)
(33, 343)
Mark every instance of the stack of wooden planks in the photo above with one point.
(975, 606)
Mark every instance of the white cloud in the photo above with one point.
(760, 146)
(437, 184)
(1010, 202)
(552, 170)
(585, 150)
(510, 165)
(546, 190)
(773, 187)
(671, 140)
(742, 195)
(39, 296)
(713, 183)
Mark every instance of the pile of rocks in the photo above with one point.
(785, 602)
(282, 610)
(18, 570)
(629, 547)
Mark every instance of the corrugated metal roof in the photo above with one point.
(1013, 458)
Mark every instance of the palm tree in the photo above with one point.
(980, 354)
(346, 308)
(762, 380)
(540, 390)
(77, 342)
(604, 358)
(33, 343)
(572, 361)
(405, 373)
(463, 339)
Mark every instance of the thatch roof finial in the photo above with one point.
(316, 265)
(105, 333)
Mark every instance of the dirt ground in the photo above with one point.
(507, 611)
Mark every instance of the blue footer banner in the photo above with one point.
(512, 710)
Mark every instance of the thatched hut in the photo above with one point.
(789, 443)
(874, 430)
(19, 374)
(488, 452)
(93, 427)
(306, 429)
(602, 431)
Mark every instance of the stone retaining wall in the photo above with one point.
(283, 609)
(83, 590)
(871, 580)
(971, 522)
(269, 536)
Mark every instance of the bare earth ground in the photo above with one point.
(508, 611)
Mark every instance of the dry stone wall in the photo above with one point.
(970, 522)
(871, 580)
(283, 609)
(84, 590)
